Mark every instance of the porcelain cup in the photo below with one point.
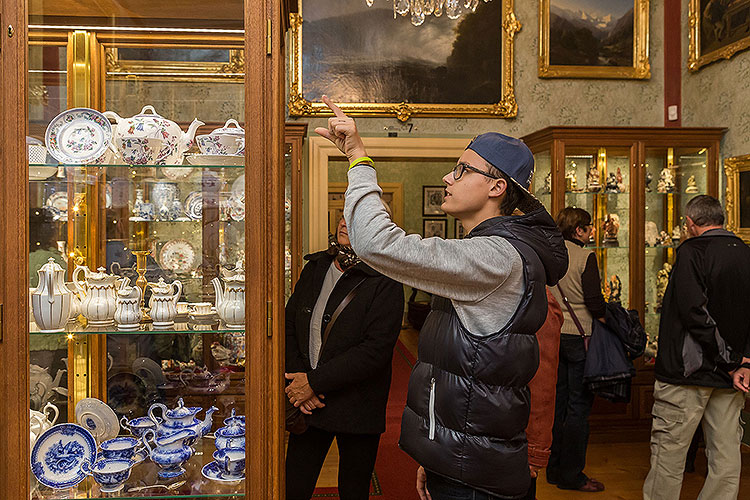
(110, 474)
(121, 447)
(231, 461)
(182, 308)
(139, 150)
(219, 144)
(138, 426)
(202, 308)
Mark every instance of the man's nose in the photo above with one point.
(448, 178)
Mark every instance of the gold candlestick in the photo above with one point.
(141, 282)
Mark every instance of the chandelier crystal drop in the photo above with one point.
(419, 9)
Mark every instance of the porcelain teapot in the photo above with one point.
(163, 302)
(170, 451)
(42, 386)
(227, 140)
(181, 417)
(98, 295)
(230, 300)
(39, 421)
(232, 435)
(128, 307)
(51, 300)
(148, 124)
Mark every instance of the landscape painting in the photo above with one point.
(593, 38)
(372, 62)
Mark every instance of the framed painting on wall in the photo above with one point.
(737, 170)
(458, 230)
(434, 227)
(718, 30)
(372, 64)
(594, 39)
(432, 199)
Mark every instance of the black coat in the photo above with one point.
(354, 369)
(705, 321)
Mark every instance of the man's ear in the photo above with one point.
(498, 188)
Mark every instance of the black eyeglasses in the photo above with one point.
(460, 168)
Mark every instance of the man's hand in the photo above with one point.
(342, 131)
(422, 484)
(534, 470)
(299, 390)
(741, 377)
(312, 404)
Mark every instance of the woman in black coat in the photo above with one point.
(343, 387)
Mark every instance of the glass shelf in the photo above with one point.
(145, 473)
(135, 167)
(607, 248)
(599, 193)
(181, 328)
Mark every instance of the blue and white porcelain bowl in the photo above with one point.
(121, 447)
(110, 474)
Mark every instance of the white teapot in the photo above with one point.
(98, 294)
(163, 302)
(230, 301)
(40, 422)
(128, 307)
(148, 124)
(51, 300)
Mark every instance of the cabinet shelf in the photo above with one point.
(179, 328)
(144, 473)
(597, 193)
(135, 167)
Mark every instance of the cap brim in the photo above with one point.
(529, 202)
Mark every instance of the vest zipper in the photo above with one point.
(432, 409)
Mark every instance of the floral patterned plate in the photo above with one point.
(58, 453)
(57, 205)
(194, 205)
(177, 255)
(78, 135)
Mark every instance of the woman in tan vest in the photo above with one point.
(582, 287)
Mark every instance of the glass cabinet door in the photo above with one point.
(137, 259)
(672, 177)
(541, 183)
(597, 179)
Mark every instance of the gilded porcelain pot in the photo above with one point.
(99, 296)
(50, 301)
(163, 302)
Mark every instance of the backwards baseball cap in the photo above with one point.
(508, 154)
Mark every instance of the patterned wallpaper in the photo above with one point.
(545, 102)
(718, 95)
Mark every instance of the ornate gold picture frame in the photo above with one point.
(737, 170)
(608, 28)
(718, 30)
(305, 105)
(227, 64)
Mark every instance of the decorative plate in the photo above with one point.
(127, 395)
(98, 418)
(149, 369)
(194, 205)
(177, 255)
(212, 471)
(216, 160)
(78, 135)
(58, 453)
(238, 187)
(57, 204)
(237, 210)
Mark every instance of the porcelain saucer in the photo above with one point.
(78, 135)
(216, 160)
(212, 471)
(58, 454)
(98, 418)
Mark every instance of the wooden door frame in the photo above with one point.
(14, 265)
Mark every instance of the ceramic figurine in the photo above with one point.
(649, 178)
(664, 239)
(611, 227)
(662, 280)
(571, 183)
(676, 235)
(615, 289)
(611, 185)
(149, 124)
(547, 184)
(163, 302)
(620, 183)
(592, 179)
(651, 233)
(230, 301)
(692, 187)
(666, 181)
(51, 300)
(99, 295)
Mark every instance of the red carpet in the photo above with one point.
(395, 471)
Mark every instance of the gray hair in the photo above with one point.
(705, 210)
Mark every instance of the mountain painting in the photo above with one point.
(591, 32)
(359, 54)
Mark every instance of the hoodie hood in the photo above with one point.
(536, 229)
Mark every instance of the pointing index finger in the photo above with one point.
(336, 110)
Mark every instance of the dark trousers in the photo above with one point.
(307, 451)
(570, 433)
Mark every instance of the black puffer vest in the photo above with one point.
(468, 402)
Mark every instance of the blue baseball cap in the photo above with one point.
(508, 154)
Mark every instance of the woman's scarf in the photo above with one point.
(345, 255)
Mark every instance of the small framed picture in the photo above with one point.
(432, 199)
(458, 230)
(434, 227)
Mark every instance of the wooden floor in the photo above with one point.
(621, 466)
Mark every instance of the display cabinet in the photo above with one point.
(635, 183)
(143, 269)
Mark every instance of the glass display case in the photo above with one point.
(635, 183)
(147, 266)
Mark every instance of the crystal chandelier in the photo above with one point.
(421, 8)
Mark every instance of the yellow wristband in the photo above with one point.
(362, 159)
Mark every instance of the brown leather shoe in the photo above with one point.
(590, 486)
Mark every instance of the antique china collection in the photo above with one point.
(58, 454)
